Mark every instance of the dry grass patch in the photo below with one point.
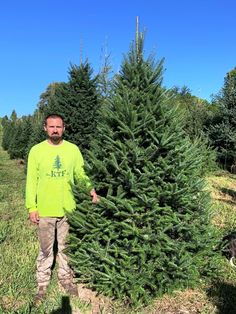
(183, 302)
(223, 193)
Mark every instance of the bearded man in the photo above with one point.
(54, 166)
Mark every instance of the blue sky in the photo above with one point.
(39, 40)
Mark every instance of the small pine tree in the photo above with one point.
(20, 139)
(9, 130)
(150, 232)
(5, 129)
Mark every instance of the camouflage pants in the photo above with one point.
(49, 230)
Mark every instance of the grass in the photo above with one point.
(19, 249)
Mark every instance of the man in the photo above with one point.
(54, 165)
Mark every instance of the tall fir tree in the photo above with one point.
(44, 107)
(83, 103)
(150, 233)
(78, 102)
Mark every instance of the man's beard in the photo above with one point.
(55, 138)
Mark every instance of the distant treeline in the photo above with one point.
(80, 98)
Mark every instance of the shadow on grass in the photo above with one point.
(228, 202)
(223, 295)
(65, 306)
(230, 192)
(232, 176)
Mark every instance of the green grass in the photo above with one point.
(19, 249)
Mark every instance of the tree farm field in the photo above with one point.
(19, 248)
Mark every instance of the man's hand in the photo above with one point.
(34, 217)
(95, 198)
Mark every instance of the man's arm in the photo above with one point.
(31, 189)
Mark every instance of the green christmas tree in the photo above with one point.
(9, 129)
(5, 123)
(20, 139)
(77, 101)
(37, 133)
(150, 232)
(84, 104)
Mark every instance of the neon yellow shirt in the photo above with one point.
(52, 170)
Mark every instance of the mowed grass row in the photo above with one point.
(19, 249)
(17, 240)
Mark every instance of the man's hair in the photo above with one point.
(53, 116)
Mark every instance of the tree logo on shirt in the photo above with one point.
(57, 171)
(57, 164)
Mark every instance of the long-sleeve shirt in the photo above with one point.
(51, 172)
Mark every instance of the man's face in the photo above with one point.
(54, 128)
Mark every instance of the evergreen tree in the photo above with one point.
(83, 101)
(16, 135)
(222, 127)
(150, 232)
(195, 110)
(9, 130)
(77, 101)
(5, 127)
(20, 138)
(47, 98)
(196, 113)
(37, 133)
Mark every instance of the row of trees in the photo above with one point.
(79, 99)
(146, 149)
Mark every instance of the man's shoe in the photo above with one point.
(40, 295)
(70, 288)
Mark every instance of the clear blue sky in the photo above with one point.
(39, 40)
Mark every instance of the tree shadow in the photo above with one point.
(225, 201)
(223, 295)
(230, 192)
(65, 306)
(232, 177)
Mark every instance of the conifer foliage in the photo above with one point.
(222, 127)
(16, 135)
(83, 101)
(77, 101)
(150, 232)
